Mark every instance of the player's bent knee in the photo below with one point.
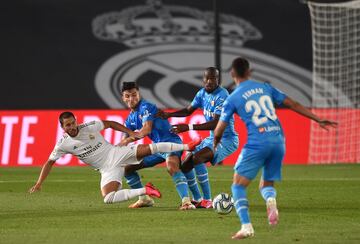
(109, 197)
(186, 167)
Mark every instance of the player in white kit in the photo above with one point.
(86, 143)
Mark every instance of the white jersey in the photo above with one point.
(88, 145)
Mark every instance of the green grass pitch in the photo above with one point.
(317, 204)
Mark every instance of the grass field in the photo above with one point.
(317, 204)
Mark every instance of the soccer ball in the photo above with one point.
(223, 203)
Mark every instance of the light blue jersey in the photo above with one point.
(212, 104)
(146, 111)
(160, 132)
(254, 102)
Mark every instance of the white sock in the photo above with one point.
(123, 195)
(166, 147)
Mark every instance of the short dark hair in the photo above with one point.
(65, 115)
(128, 85)
(241, 66)
(212, 69)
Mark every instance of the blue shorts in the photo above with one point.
(254, 157)
(158, 158)
(226, 147)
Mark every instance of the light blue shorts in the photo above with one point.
(254, 157)
(226, 147)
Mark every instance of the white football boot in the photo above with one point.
(144, 201)
(246, 231)
(272, 211)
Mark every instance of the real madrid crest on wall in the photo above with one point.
(169, 47)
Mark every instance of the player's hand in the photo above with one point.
(123, 143)
(179, 128)
(216, 144)
(136, 135)
(325, 124)
(162, 114)
(35, 188)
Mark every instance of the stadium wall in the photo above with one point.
(27, 137)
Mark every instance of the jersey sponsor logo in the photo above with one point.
(269, 129)
(156, 33)
(209, 113)
(86, 124)
(272, 128)
(89, 150)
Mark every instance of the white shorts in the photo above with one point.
(118, 158)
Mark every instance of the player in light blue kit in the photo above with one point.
(265, 148)
(142, 118)
(210, 99)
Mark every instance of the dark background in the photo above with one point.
(50, 55)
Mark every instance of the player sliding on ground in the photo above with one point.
(254, 102)
(86, 143)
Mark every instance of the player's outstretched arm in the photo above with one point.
(43, 174)
(119, 127)
(179, 113)
(210, 125)
(300, 109)
(146, 128)
(219, 131)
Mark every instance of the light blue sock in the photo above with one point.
(181, 184)
(268, 191)
(241, 203)
(203, 179)
(194, 188)
(133, 180)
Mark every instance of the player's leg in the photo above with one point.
(111, 187)
(193, 186)
(271, 173)
(207, 154)
(173, 167)
(203, 179)
(164, 147)
(134, 181)
(202, 155)
(196, 160)
(192, 183)
(249, 162)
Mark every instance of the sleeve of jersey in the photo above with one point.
(227, 111)
(219, 104)
(196, 102)
(148, 112)
(277, 95)
(94, 126)
(56, 153)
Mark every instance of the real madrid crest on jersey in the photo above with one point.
(91, 137)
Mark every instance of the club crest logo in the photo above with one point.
(171, 45)
(91, 137)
